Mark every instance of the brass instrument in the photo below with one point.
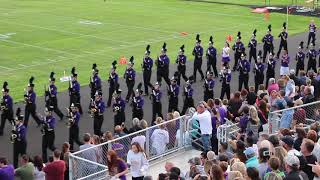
(3, 106)
(14, 135)
(70, 120)
(44, 126)
(26, 95)
(93, 109)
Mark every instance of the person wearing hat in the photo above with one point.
(244, 69)
(74, 118)
(197, 52)
(271, 65)
(300, 56)
(6, 107)
(252, 160)
(137, 103)
(225, 79)
(292, 167)
(267, 44)
(118, 108)
(130, 76)
(285, 60)
(113, 82)
(287, 142)
(156, 102)
(48, 135)
(312, 33)
(312, 56)
(95, 83)
(283, 39)
(212, 57)
(208, 87)
(98, 110)
(147, 70)
(181, 61)
(238, 49)
(162, 63)
(258, 71)
(18, 137)
(74, 90)
(51, 96)
(173, 93)
(30, 108)
(188, 93)
(253, 47)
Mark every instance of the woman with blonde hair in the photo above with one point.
(241, 167)
(253, 124)
(280, 153)
(235, 175)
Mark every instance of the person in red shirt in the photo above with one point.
(56, 169)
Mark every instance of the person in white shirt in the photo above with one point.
(160, 139)
(204, 118)
(137, 161)
(225, 54)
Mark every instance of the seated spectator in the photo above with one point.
(55, 170)
(26, 170)
(306, 149)
(38, 168)
(274, 164)
(6, 170)
(292, 165)
(159, 139)
(252, 160)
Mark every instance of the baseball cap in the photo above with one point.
(249, 151)
(288, 140)
(292, 160)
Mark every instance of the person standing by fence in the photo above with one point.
(137, 161)
(117, 167)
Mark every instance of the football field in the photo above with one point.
(37, 37)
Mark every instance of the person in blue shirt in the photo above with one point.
(188, 95)
(208, 87)
(137, 103)
(312, 33)
(283, 39)
(267, 44)
(48, 135)
(259, 71)
(113, 82)
(74, 118)
(130, 76)
(244, 69)
(173, 93)
(312, 56)
(118, 107)
(300, 56)
(74, 90)
(18, 137)
(238, 49)
(156, 102)
(197, 53)
(98, 108)
(6, 107)
(147, 70)
(30, 100)
(212, 57)
(51, 96)
(181, 61)
(162, 63)
(253, 47)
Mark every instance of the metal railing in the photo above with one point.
(157, 141)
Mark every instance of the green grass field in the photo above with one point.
(42, 36)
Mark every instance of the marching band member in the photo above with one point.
(212, 57)
(30, 100)
(137, 103)
(188, 93)
(253, 47)
(208, 87)
(156, 102)
(73, 124)
(197, 53)
(268, 43)
(113, 82)
(312, 33)
(238, 49)
(244, 69)
(118, 108)
(18, 137)
(259, 71)
(162, 63)
(181, 61)
(48, 135)
(285, 59)
(74, 90)
(147, 70)
(51, 96)
(129, 76)
(271, 65)
(98, 108)
(225, 79)
(312, 56)
(173, 93)
(95, 82)
(6, 107)
(225, 54)
(283, 39)
(300, 56)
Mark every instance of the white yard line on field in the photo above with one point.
(7, 68)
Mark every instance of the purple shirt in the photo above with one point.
(223, 114)
(31, 97)
(7, 173)
(53, 90)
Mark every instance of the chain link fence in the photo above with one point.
(157, 141)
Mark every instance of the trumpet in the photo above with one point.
(70, 120)
(14, 135)
(3, 105)
(93, 109)
(44, 126)
(26, 95)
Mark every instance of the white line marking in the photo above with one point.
(22, 65)
(3, 67)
